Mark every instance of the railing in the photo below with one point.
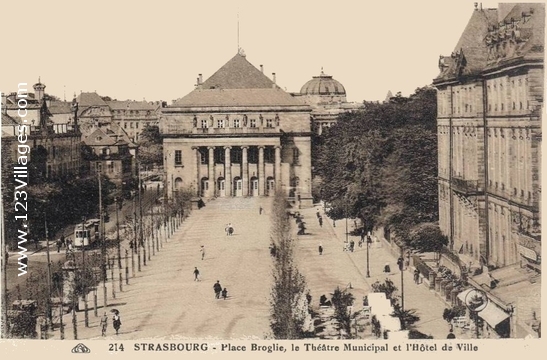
(183, 129)
(467, 187)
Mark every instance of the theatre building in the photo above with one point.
(238, 134)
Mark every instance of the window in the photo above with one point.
(235, 155)
(178, 157)
(99, 168)
(269, 154)
(202, 156)
(269, 123)
(236, 123)
(125, 125)
(204, 124)
(219, 155)
(110, 165)
(220, 123)
(137, 125)
(253, 123)
(131, 124)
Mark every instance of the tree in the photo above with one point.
(341, 300)
(387, 287)
(427, 237)
(380, 164)
(151, 146)
(407, 317)
(288, 300)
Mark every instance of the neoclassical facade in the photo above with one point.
(238, 134)
(490, 98)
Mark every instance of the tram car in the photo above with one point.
(87, 233)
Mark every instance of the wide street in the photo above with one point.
(164, 301)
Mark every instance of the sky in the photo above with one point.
(154, 50)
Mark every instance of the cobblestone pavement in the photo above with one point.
(338, 268)
(164, 301)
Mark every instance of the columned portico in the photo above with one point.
(227, 170)
(245, 170)
(261, 177)
(278, 167)
(211, 169)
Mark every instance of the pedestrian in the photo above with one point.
(333, 223)
(320, 221)
(116, 321)
(351, 245)
(196, 274)
(318, 214)
(362, 235)
(58, 245)
(224, 294)
(387, 269)
(63, 240)
(104, 324)
(218, 288)
(320, 249)
(260, 210)
(451, 334)
(202, 250)
(416, 276)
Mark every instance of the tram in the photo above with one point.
(87, 233)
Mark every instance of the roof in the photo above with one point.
(99, 138)
(238, 97)
(59, 107)
(8, 120)
(90, 99)
(238, 73)
(470, 53)
(323, 85)
(114, 128)
(130, 105)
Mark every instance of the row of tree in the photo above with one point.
(380, 165)
(289, 306)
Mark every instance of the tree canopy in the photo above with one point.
(380, 164)
(150, 146)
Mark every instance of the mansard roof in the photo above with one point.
(237, 83)
(238, 73)
(87, 99)
(470, 54)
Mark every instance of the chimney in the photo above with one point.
(273, 78)
(200, 79)
(262, 69)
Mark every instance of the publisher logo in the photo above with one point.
(80, 349)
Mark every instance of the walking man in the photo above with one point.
(202, 250)
(260, 210)
(104, 324)
(224, 294)
(320, 221)
(116, 321)
(218, 288)
(417, 276)
(320, 249)
(196, 274)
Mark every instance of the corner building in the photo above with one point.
(490, 99)
(238, 134)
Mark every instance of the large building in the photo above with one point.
(238, 134)
(490, 105)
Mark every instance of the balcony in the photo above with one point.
(467, 187)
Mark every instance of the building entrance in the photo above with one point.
(221, 187)
(270, 186)
(238, 187)
(254, 186)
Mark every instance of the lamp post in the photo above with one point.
(48, 302)
(369, 242)
(103, 243)
(401, 264)
(476, 301)
(84, 234)
(119, 204)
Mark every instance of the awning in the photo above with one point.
(492, 314)
(463, 294)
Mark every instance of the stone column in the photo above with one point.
(245, 171)
(198, 165)
(278, 167)
(261, 170)
(211, 171)
(228, 171)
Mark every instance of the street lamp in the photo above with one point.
(84, 234)
(48, 302)
(401, 264)
(119, 204)
(369, 242)
(476, 301)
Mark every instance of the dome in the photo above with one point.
(323, 85)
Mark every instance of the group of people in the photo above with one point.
(229, 229)
(67, 243)
(116, 322)
(319, 218)
(220, 291)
